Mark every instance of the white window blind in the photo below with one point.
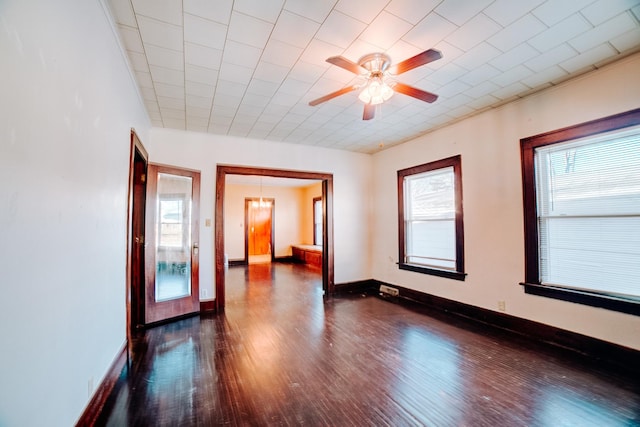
(588, 208)
(430, 219)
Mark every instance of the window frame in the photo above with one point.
(531, 282)
(456, 163)
(317, 221)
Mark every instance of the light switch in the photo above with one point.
(207, 222)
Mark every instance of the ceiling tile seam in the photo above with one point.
(289, 72)
(215, 90)
(273, 25)
(298, 60)
(438, 41)
(184, 67)
(146, 58)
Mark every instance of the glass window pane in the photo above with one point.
(431, 195)
(173, 245)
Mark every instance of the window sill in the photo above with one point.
(608, 302)
(455, 275)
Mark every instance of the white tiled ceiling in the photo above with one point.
(249, 68)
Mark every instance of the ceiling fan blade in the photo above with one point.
(415, 92)
(343, 62)
(369, 112)
(418, 60)
(332, 95)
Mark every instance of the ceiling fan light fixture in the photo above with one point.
(376, 88)
(375, 92)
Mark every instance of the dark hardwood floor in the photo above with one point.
(281, 355)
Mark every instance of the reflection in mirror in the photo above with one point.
(173, 245)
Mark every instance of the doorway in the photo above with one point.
(327, 222)
(259, 232)
(136, 235)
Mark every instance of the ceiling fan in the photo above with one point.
(378, 86)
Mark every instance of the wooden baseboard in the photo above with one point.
(91, 413)
(207, 307)
(614, 355)
(234, 262)
(285, 259)
(357, 286)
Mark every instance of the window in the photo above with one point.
(430, 219)
(317, 220)
(172, 223)
(582, 213)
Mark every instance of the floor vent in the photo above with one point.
(388, 290)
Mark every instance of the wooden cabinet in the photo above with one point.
(307, 254)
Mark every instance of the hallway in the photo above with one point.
(281, 355)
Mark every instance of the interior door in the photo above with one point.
(172, 224)
(260, 227)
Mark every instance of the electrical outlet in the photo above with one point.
(502, 306)
(203, 293)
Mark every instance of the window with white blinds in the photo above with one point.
(581, 200)
(588, 210)
(430, 219)
(430, 199)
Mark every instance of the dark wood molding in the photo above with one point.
(609, 302)
(617, 356)
(592, 127)
(528, 146)
(136, 200)
(433, 271)
(235, 262)
(357, 286)
(327, 195)
(284, 259)
(93, 410)
(208, 306)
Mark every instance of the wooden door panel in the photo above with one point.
(259, 226)
(172, 225)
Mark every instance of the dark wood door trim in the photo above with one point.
(327, 221)
(136, 201)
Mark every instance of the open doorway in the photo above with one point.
(136, 235)
(327, 221)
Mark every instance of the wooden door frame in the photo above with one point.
(247, 201)
(134, 302)
(222, 171)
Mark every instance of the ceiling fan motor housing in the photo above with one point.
(375, 62)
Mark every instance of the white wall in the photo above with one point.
(351, 189)
(67, 103)
(492, 190)
(287, 217)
